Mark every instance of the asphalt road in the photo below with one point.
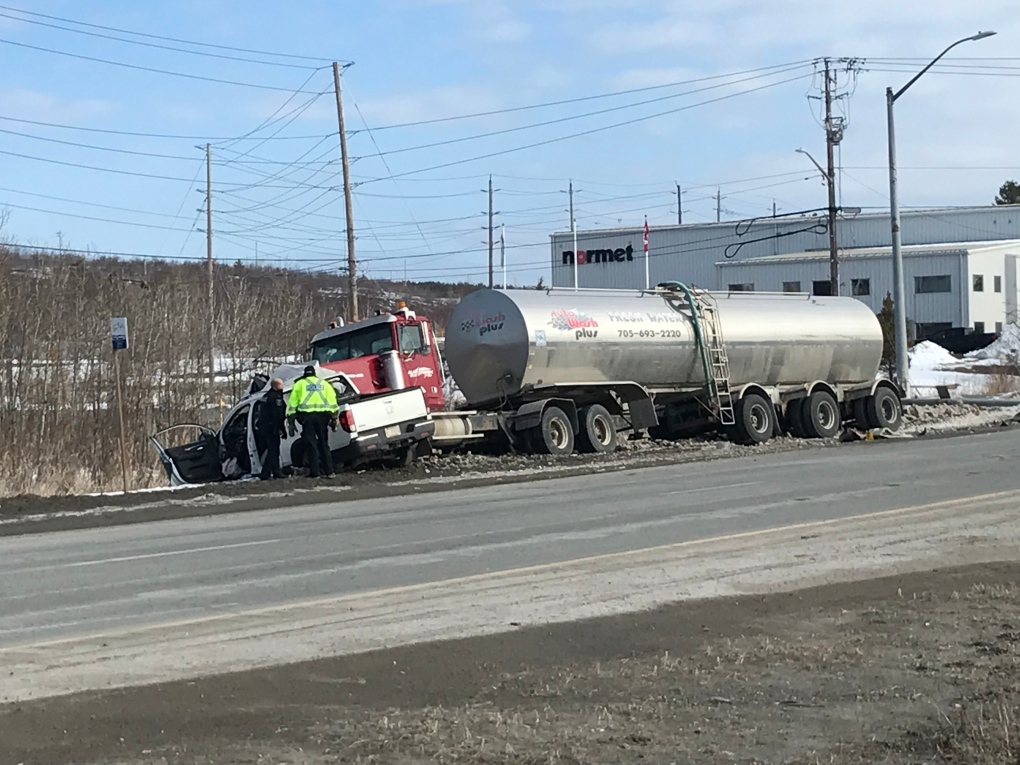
(71, 584)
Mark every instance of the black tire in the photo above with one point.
(795, 418)
(402, 457)
(861, 414)
(555, 435)
(756, 419)
(822, 418)
(884, 409)
(597, 432)
(297, 454)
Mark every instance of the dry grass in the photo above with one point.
(1001, 382)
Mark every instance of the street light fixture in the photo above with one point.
(899, 291)
(825, 175)
(830, 181)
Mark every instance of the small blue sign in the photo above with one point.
(119, 333)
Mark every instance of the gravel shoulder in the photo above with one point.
(906, 669)
(29, 513)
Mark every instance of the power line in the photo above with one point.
(145, 44)
(581, 99)
(141, 68)
(584, 115)
(592, 130)
(386, 164)
(167, 136)
(165, 38)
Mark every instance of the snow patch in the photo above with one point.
(1005, 349)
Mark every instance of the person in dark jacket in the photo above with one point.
(272, 423)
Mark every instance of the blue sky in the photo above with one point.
(273, 128)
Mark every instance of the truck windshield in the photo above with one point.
(352, 345)
(411, 338)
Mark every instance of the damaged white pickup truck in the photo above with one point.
(394, 427)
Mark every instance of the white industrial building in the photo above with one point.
(967, 284)
(959, 263)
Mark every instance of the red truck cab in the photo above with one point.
(389, 351)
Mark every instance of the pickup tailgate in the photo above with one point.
(381, 410)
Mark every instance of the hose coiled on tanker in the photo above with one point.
(696, 321)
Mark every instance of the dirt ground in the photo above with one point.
(32, 513)
(908, 669)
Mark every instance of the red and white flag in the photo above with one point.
(646, 235)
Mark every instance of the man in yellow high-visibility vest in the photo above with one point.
(313, 403)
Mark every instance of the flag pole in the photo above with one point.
(648, 280)
(502, 250)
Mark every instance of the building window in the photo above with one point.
(979, 327)
(860, 287)
(998, 324)
(791, 286)
(928, 284)
(745, 287)
(998, 284)
(979, 283)
(821, 289)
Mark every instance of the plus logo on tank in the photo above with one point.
(581, 323)
(484, 324)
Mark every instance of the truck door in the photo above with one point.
(419, 360)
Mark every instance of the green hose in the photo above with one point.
(696, 320)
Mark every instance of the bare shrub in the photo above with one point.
(58, 411)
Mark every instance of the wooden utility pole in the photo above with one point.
(679, 207)
(209, 263)
(831, 139)
(352, 269)
(718, 205)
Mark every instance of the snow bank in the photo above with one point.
(1005, 349)
(929, 355)
(931, 365)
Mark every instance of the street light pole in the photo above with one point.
(899, 291)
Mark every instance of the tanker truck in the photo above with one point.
(556, 371)
(571, 369)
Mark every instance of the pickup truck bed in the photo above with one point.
(392, 423)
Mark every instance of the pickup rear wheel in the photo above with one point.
(822, 418)
(555, 434)
(403, 457)
(598, 431)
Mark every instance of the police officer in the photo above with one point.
(313, 402)
(272, 425)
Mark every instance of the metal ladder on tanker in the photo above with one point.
(719, 364)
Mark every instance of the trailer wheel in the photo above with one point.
(822, 418)
(884, 409)
(861, 414)
(555, 435)
(756, 419)
(598, 431)
(795, 418)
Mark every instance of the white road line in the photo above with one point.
(712, 488)
(168, 554)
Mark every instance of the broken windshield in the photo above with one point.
(351, 345)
